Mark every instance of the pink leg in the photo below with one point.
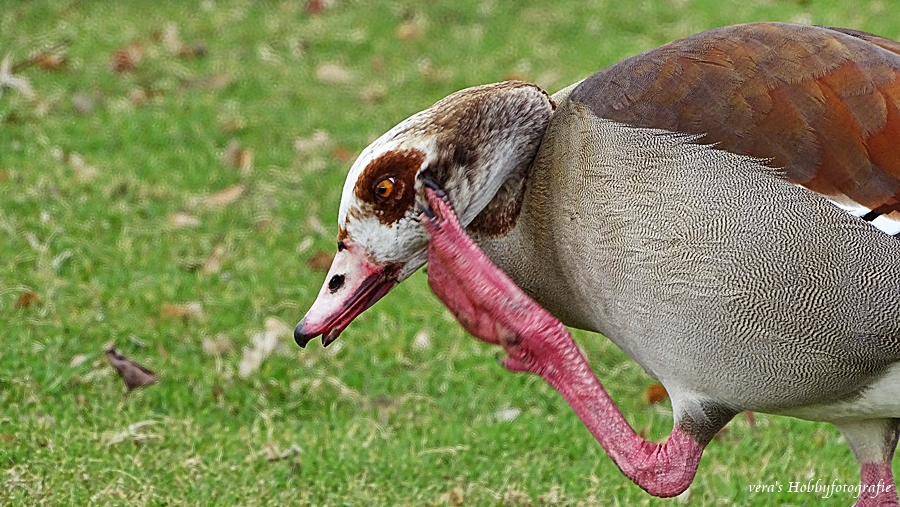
(490, 306)
(878, 480)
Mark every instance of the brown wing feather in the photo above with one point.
(822, 103)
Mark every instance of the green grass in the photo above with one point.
(376, 420)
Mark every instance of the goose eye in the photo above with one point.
(384, 188)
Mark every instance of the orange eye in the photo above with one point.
(384, 188)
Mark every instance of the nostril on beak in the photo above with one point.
(336, 282)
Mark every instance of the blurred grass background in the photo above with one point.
(169, 182)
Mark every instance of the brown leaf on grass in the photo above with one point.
(83, 171)
(134, 432)
(81, 400)
(195, 50)
(213, 263)
(751, 420)
(455, 496)
(318, 139)
(126, 59)
(7, 439)
(342, 154)
(133, 374)
(28, 298)
(263, 344)
(209, 82)
(513, 497)
(317, 6)
(183, 220)
(320, 261)
(172, 42)
(217, 345)
(262, 223)
(412, 29)
(278, 326)
(551, 497)
(655, 394)
(721, 434)
(50, 60)
(374, 93)
(224, 197)
(181, 311)
(272, 453)
(333, 73)
(138, 96)
(238, 157)
(84, 103)
(170, 38)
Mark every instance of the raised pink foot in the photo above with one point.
(877, 486)
(494, 309)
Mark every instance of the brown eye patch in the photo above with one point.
(387, 184)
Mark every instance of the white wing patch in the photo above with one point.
(889, 224)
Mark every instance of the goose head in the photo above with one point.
(472, 144)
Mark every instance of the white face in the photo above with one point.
(381, 200)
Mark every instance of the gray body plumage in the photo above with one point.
(730, 285)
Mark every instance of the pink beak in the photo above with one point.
(353, 284)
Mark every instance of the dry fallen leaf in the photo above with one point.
(138, 96)
(721, 434)
(422, 340)
(183, 220)
(127, 58)
(320, 261)
(134, 432)
(262, 223)
(279, 327)
(210, 82)
(342, 154)
(263, 345)
(7, 439)
(513, 497)
(237, 156)
(217, 346)
(318, 139)
(457, 496)
(213, 263)
(412, 29)
(133, 374)
(181, 311)
(224, 197)
(317, 6)
(170, 38)
(78, 360)
(28, 298)
(272, 453)
(655, 394)
(507, 414)
(83, 103)
(49, 60)
(751, 419)
(8, 80)
(84, 172)
(195, 50)
(551, 497)
(333, 73)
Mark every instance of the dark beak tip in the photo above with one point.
(300, 337)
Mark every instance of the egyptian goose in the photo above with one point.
(721, 208)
